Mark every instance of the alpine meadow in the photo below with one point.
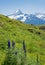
(22, 32)
(20, 43)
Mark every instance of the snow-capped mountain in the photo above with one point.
(40, 15)
(36, 19)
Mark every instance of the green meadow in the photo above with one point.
(33, 37)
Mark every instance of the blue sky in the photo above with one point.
(27, 6)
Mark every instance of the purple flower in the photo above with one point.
(8, 44)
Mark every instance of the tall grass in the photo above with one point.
(15, 57)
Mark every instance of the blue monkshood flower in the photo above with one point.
(8, 44)
(13, 43)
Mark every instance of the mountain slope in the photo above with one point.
(17, 31)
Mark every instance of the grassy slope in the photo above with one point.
(17, 31)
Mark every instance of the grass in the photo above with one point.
(16, 31)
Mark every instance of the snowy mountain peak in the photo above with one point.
(40, 15)
(18, 12)
(35, 19)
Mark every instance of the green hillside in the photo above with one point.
(16, 31)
